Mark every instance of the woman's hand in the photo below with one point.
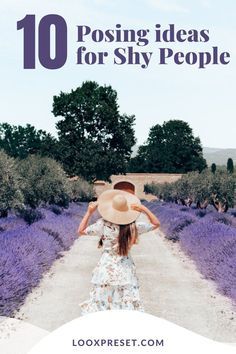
(84, 222)
(142, 209)
(137, 207)
(92, 207)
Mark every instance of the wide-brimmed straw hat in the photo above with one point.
(115, 206)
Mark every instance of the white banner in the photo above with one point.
(126, 332)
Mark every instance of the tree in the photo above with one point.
(10, 192)
(19, 141)
(140, 162)
(213, 168)
(223, 191)
(202, 189)
(230, 165)
(184, 189)
(170, 148)
(81, 191)
(43, 181)
(95, 140)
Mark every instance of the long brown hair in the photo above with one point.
(128, 235)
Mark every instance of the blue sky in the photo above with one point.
(204, 98)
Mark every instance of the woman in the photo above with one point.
(114, 281)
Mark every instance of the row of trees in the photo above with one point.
(37, 180)
(95, 140)
(20, 142)
(217, 189)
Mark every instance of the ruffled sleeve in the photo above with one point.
(143, 227)
(95, 229)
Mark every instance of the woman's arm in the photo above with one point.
(84, 222)
(152, 218)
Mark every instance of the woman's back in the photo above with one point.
(109, 233)
(114, 280)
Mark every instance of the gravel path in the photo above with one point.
(171, 288)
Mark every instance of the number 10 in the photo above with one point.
(44, 40)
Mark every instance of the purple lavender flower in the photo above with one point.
(28, 251)
(212, 245)
(208, 238)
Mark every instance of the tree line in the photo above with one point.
(203, 189)
(95, 140)
(36, 181)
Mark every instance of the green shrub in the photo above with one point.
(10, 193)
(203, 188)
(152, 188)
(44, 181)
(81, 191)
(163, 191)
(223, 191)
(30, 215)
(56, 209)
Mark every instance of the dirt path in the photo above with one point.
(170, 288)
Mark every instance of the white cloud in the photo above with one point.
(168, 6)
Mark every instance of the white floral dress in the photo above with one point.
(114, 281)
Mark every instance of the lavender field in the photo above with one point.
(208, 237)
(27, 251)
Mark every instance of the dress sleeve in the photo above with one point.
(95, 229)
(143, 227)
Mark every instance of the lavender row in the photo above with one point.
(208, 237)
(212, 245)
(28, 251)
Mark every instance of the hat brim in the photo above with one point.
(108, 213)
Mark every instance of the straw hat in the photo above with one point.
(115, 206)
